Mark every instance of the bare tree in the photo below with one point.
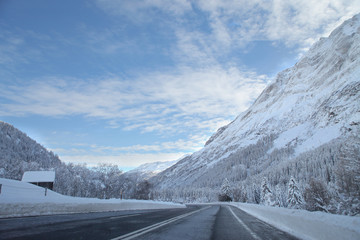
(317, 196)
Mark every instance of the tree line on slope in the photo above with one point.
(20, 153)
(314, 198)
(328, 177)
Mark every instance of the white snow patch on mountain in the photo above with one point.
(154, 167)
(319, 137)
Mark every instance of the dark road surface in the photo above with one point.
(194, 222)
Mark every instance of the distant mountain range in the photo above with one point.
(148, 170)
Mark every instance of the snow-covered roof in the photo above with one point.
(39, 176)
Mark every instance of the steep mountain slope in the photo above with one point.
(303, 119)
(19, 153)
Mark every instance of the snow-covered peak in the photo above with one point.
(303, 96)
(306, 106)
(153, 168)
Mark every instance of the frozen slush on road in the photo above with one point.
(24, 199)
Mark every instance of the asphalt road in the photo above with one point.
(194, 222)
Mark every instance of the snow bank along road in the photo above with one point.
(193, 222)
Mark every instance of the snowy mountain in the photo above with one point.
(300, 125)
(148, 170)
(19, 153)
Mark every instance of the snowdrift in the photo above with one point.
(304, 224)
(24, 199)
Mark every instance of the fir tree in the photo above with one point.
(225, 192)
(294, 199)
(266, 194)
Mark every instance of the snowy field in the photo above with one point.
(24, 199)
(304, 224)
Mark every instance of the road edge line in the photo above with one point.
(253, 234)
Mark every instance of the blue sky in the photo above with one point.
(130, 82)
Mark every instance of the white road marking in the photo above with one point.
(254, 235)
(142, 231)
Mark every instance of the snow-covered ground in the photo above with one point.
(304, 224)
(24, 199)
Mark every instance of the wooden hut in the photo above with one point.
(43, 179)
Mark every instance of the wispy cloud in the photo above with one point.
(108, 40)
(11, 45)
(155, 102)
(236, 23)
(304, 22)
(191, 144)
(131, 155)
(139, 10)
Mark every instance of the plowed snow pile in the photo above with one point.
(24, 199)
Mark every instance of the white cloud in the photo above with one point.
(10, 48)
(130, 156)
(238, 22)
(139, 10)
(296, 22)
(151, 102)
(191, 144)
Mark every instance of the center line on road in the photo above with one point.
(254, 235)
(142, 231)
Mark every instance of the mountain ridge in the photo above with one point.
(312, 104)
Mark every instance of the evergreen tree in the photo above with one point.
(279, 197)
(294, 199)
(266, 194)
(225, 192)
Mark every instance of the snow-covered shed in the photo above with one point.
(43, 179)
